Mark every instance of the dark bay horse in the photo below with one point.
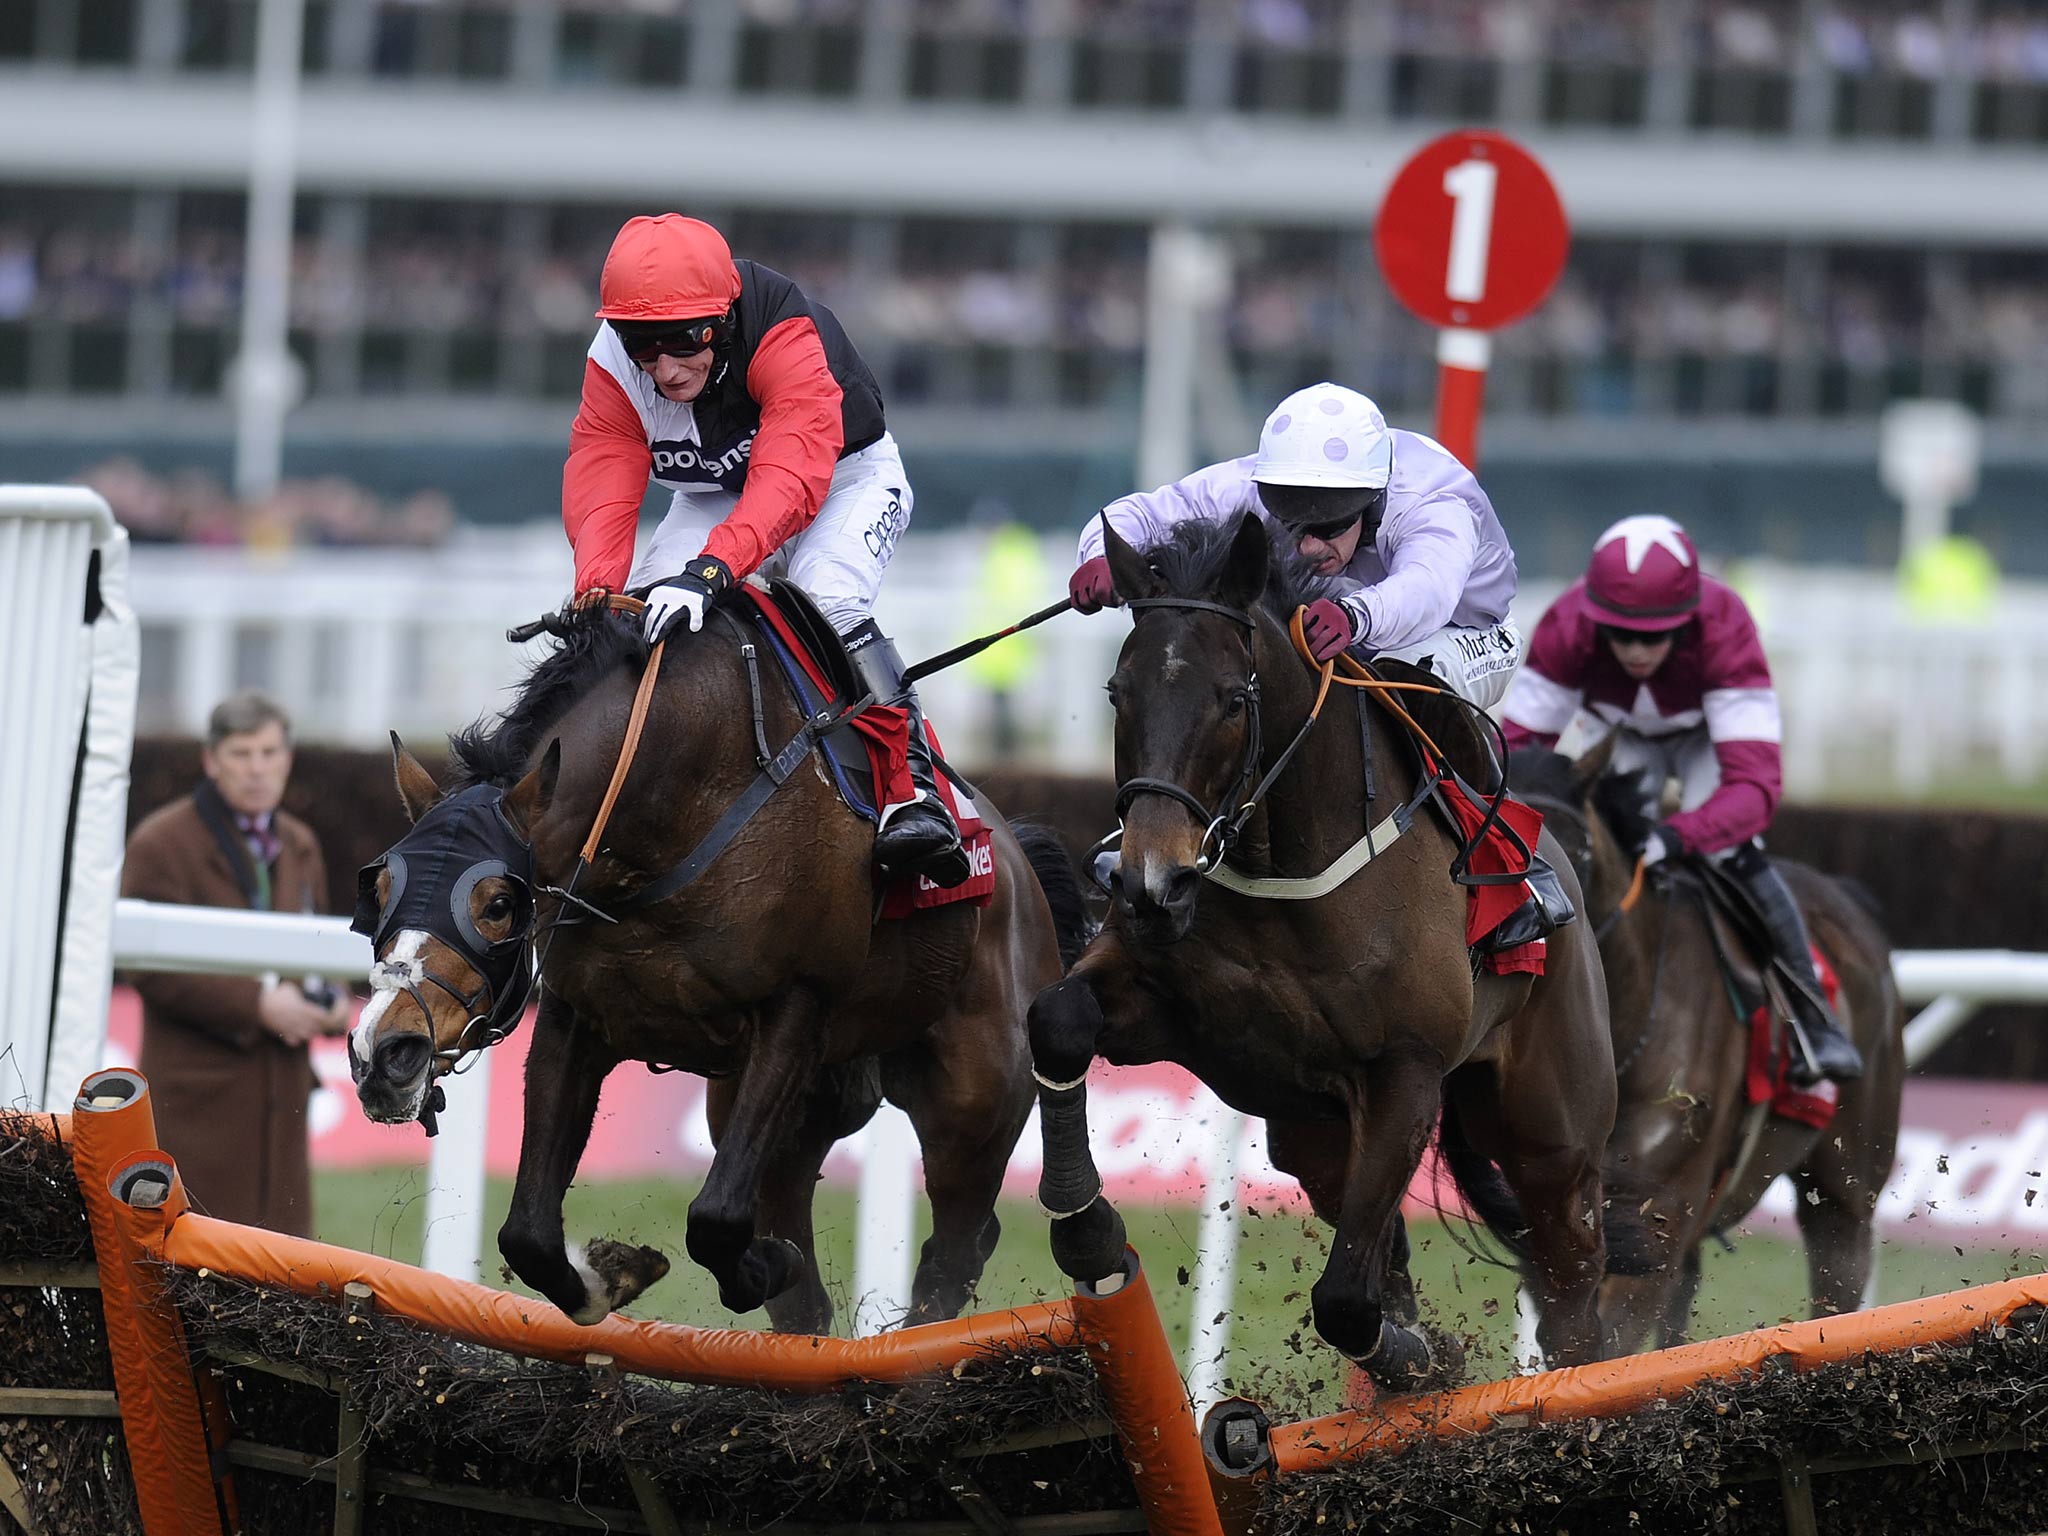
(1352, 1021)
(769, 975)
(1688, 1148)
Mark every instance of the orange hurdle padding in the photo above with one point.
(1622, 1386)
(500, 1320)
(1149, 1402)
(113, 1129)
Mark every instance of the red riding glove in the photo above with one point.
(1090, 587)
(1326, 626)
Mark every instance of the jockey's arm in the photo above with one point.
(1430, 551)
(604, 482)
(795, 451)
(1548, 690)
(1144, 518)
(1742, 723)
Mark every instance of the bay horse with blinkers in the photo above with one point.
(767, 973)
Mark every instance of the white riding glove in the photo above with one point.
(666, 605)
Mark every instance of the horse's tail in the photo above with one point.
(1061, 883)
(1630, 1250)
(1484, 1188)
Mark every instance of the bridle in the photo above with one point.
(1221, 828)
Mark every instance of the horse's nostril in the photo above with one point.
(402, 1058)
(1181, 886)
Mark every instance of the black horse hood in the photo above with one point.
(460, 841)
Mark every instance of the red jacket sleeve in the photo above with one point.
(1547, 690)
(604, 481)
(795, 450)
(1741, 709)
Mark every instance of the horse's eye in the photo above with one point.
(1110, 689)
(499, 909)
(1235, 706)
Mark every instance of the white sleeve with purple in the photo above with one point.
(1145, 518)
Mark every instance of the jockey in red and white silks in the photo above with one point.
(1423, 568)
(721, 380)
(1649, 646)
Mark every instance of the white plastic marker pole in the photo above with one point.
(455, 1175)
(1216, 1260)
(885, 1222)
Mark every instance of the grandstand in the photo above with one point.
(1787, 215)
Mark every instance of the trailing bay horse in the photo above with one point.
(1689, 1150)
(1353, 1021)
(768, 974)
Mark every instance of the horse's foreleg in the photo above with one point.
(1392, 1112)
(1087, 1233)
(768, 1104)
(1839, 1244)
(565, 1068)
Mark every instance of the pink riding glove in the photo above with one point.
(1090, 587)
(1327, 628)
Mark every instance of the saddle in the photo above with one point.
(868, 748)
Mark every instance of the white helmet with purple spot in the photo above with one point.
(1326, 435)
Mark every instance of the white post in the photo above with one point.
(885, 1222)
(1216, 1260)
(1184, 281)
(455, 1175)
(264, 373)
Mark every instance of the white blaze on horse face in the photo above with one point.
(389, 978)
(1174, 663)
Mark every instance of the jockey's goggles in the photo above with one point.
(1614, 634)
(1332, 529)
(645, 341)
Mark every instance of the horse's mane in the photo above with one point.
(1192, 557)
(497, 751)
(1617, 796)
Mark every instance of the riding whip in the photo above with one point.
(945, 659)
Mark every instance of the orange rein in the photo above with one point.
(620, 603)
(1358, 675)
(1635, 889)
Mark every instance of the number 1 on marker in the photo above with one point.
(1470, 185)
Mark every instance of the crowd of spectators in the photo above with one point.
(434, 274)
(192, 506)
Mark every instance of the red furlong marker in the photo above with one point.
(1471, 237)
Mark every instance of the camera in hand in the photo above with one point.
(320, 992)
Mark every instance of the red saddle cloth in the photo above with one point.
(1770, 1069)
(1497, 853)
(885, 732)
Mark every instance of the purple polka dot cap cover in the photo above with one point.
(1325, 435)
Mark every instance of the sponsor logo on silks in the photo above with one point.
(981, 860)
(686, 461)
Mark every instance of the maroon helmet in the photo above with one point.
(1644, 574)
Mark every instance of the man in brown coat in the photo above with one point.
(226, 1055)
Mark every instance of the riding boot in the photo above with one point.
(1829, 1052)
(917, 835)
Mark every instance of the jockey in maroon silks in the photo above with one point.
(1670, 658)
(721, 381)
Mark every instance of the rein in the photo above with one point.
(1223, 828)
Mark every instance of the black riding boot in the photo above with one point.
(1833, 1054)
(917, 835)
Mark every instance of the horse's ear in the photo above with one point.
(1250, 562)
(417, 790)
(1129, 572)
(529, 799)
(1592, 763)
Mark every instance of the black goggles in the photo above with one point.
(644, 343)
(1331, 529)
(1614, 634)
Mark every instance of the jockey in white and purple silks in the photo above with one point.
(1425, 571)
(1670, 658)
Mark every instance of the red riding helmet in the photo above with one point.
(667, 268)
(1645, 574)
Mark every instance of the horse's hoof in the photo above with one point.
(624, 1269)
(1089, 1245)
(1402, 1360)
(770, 1266)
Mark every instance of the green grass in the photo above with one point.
(1273, 1349)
